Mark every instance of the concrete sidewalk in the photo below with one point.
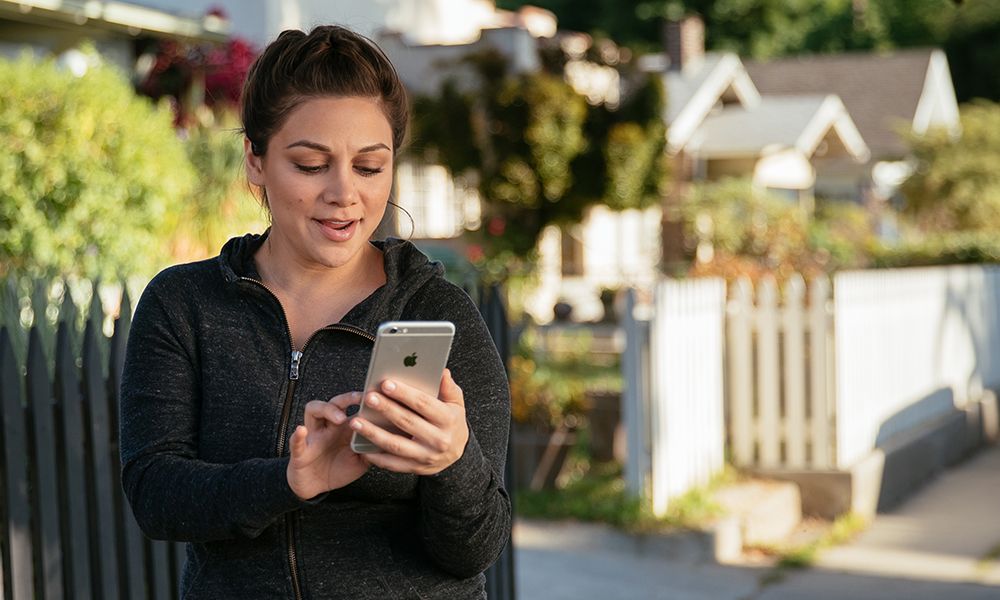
(934, 546)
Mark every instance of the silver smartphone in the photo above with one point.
(411, 352)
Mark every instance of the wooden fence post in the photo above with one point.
(43, 472)
(72, 460)
(500, 576)
(132, 545)
(104, 551)
(634, 394)
(17, 560)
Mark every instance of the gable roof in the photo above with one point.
(695, 90)
(779, 122)
(882, 92)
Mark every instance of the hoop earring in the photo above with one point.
(413, 225)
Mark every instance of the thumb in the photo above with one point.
(450, 392)
(298, 445)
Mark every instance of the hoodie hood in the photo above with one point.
(407, 270)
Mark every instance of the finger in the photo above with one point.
(407, 420)
(343, 401)
(388, 442)
(425, 405)
(318, 411)
(450, 392)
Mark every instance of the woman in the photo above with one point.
(241, 371)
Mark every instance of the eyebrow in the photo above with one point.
(321, 148)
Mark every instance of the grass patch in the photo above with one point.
(597, 493)
(989, 558)
(842, 530)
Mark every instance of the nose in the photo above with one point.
(340, 186)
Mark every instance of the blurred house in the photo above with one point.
(722, 125)
(117, 30)
(887, 95)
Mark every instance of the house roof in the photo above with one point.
(881, 91)
(693, 91)
(117, 16)
(779, 122)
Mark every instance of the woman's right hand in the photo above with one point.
(321, 455)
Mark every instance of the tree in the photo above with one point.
(539, 152)
(763, 29)
(956, 184)
(88, 173)
(973, 51)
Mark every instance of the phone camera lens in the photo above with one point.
(393, 330)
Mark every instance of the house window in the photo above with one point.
(441, 206)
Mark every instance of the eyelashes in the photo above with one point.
(316, 169)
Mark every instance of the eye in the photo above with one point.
(368, 171)
(310, 169)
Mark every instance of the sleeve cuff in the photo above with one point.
(284, 500)
(464, 483)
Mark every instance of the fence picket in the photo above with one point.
(43, 473)
(104, 552)
(160, 570)
(73, 492)
(739, 351)
(18, 556)
(10, 310)
(820, 370)
(768, 369)
(794, 366)
(178, 556)
(132, 545)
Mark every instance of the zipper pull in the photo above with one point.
(294, 372)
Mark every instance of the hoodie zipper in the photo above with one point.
(286, 414)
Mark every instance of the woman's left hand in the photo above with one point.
(437, 427)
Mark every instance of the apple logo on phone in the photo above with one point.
(410, 361)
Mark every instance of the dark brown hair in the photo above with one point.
(328, 61)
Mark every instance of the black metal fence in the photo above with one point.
(65, 527)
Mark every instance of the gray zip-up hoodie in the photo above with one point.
(210, 395)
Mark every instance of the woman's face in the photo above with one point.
(328, 174)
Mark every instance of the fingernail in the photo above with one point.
(373, 400)
(356, 425)
(389, 386)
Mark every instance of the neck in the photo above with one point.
(282, 271)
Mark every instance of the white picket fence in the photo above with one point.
(679, 387)
(802, 377)
(779, 359)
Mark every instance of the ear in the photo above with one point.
(254, 164)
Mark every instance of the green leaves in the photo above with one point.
(956, 184)
(540, 152)
(88, 173)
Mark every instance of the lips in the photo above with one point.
(337, 230)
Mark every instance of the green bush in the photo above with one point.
(88, 174)
(956, 183)
(220, 205)
(942, 249)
